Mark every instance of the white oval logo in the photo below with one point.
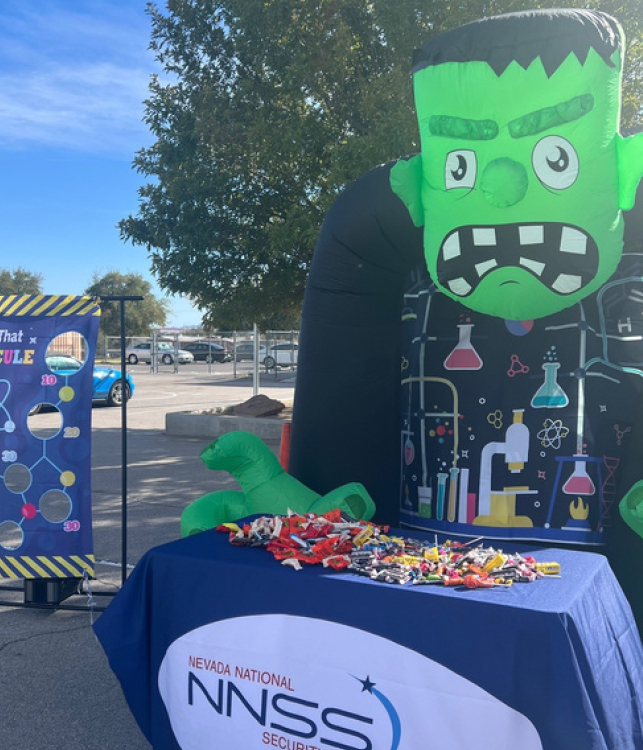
(297, 683)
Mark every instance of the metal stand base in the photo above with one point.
(49, 593)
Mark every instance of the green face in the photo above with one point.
(520, 183)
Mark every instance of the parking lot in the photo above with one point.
(57, 690)
(194, 386)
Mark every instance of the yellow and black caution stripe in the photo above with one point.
(47, 305)
(41, 566)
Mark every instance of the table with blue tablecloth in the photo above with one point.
(218, 646)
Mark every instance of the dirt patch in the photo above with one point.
(260, 406)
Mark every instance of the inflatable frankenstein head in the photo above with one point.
(522, 175)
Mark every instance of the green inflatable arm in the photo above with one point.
(265, 488)
(631, 508)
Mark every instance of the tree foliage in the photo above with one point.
(139, 315)
(266, 111)
(20, 281)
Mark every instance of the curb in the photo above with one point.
(189, 424)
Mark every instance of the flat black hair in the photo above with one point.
(550, 35)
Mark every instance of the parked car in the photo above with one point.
(283, 354)
(165, 353)
(245, 350)
(208, 351)
(107, 386)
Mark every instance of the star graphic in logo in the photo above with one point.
(396, 725)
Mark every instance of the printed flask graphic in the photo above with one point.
(464, 356)
(550, 395)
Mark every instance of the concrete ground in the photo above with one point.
(57, 691)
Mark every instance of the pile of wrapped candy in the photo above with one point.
(339, 542)
(296, 539)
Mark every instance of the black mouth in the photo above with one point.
(562, 257)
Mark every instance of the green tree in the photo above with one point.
(267, 110)
(20, 281)
(139, 315)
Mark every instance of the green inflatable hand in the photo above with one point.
(631, 508)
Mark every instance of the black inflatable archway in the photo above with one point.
(346, 413)
(346, 417)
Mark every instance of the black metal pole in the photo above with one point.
(123, 449)
(122, 299)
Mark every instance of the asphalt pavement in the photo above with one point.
(57, 691)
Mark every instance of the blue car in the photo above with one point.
(107, 387)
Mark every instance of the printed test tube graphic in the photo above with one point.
(453, 490)
(462, 500)
(442, 485)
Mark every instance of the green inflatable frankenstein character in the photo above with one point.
(520, 188)
(523, 176)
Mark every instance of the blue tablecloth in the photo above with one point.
(223, 647)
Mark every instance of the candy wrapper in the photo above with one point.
(341, 543)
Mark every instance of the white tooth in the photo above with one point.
(451, 248)
(532, 235)
(566, 283)
(482, 268)
(484, 236)
(459, 286)
(573, 241)
(533, 265)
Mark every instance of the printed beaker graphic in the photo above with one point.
(463, 356)
(550, 395)
(425, 500)
(580, 483)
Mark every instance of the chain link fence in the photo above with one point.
(271, 351)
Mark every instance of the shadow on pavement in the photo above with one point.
(57, 690)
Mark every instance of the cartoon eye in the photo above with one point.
(555, 162)
(460, 169)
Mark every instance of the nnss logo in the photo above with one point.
(298, 683)
(284, 713)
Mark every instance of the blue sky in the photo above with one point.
(73, 76)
